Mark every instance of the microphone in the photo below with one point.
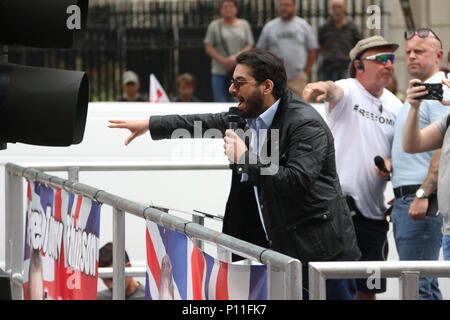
(233, 123)
(234, 116)
(379, 162)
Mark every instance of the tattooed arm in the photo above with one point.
(418, 208)
(324, 90)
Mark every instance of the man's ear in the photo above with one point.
(268, 87)
(440, 54)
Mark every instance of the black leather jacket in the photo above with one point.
(304, 210)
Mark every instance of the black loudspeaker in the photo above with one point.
(42, 106)
(5, 286)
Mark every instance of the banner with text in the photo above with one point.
(61, 245)
(178, 270)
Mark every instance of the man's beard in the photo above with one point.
(253, 105)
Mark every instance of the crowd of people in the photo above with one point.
(288, 36)
(325, 199)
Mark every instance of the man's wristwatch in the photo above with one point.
(420, 193)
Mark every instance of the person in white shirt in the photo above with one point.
(361, 114)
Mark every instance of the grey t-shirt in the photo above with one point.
(235, 38)
(289, 40)
(444, 175)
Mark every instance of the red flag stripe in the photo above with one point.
(222, 282)
(77, 211)
(29, 191)
(152, 259)
(197, 269)
(58, 203)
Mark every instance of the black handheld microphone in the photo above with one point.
(233, 123)
(379, 162)
(233, 118)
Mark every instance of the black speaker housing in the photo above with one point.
(42, 106)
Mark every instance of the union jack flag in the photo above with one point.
(61, 245)
(177, 269)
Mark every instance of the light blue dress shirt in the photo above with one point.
(259, 127)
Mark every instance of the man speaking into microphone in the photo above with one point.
(297, 209)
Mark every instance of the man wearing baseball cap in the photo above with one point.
(130, 87)
(361, 114)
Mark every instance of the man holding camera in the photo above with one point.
(414, 176)
(433, 136)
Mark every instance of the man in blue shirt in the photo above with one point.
(414, 176)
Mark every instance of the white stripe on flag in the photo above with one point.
(189, 286)
(213, 280)
(238, 282)
(64, 206)
(158, 244)
(85, 209)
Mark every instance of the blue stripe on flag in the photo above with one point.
(45, 194)
(209, 266)
(258, 283)
(93, 221)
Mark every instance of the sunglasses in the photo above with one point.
(421, 33)
(238, 83)
(381, 57)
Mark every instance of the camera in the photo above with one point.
(435, 91)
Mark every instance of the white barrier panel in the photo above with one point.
(102, 145)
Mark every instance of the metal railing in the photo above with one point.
(408, 273)
(284, 277)
(284, 272)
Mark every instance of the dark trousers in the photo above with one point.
(336, 289)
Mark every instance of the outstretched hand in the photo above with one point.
(318, 89)
(136, 127)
